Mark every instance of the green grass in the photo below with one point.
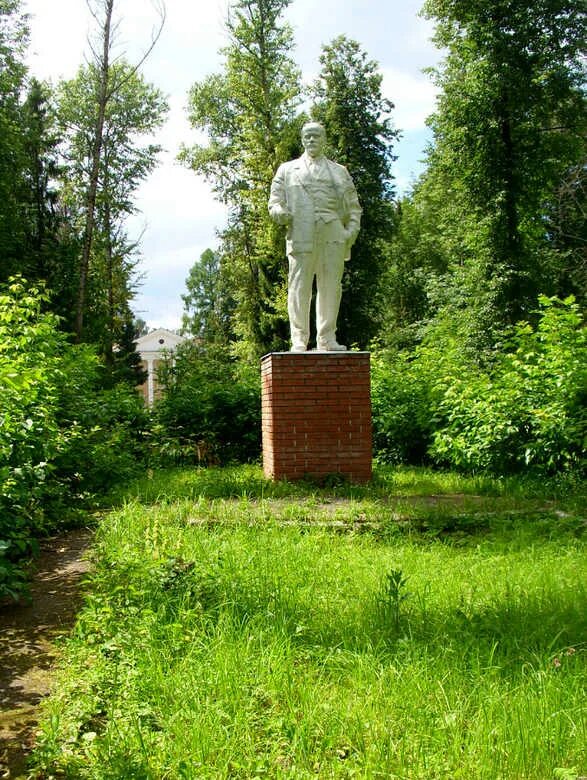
(388, 482)
(236, 628)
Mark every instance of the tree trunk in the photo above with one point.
(108, 6)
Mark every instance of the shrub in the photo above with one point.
(210, 411)
(104, 429)
(529, 410)
(29, 435)
(62, 437)
(401, 407)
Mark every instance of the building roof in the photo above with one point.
(159, 340)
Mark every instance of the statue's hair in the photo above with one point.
(313, 124)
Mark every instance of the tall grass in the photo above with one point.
(244, 637)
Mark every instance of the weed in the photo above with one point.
(392, 596)
(239, 628)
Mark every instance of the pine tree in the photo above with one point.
(357, 117)
(13, 224)
(126, 364)
(509, 128)
(247, 111)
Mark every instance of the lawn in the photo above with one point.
(425, 626)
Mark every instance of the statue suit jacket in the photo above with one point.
(289, 192)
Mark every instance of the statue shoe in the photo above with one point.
(298, 348)
(330, 346)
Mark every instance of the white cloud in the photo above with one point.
(179, 221)
(51, 55)
(414, 97)
(176, 193)
(159, 302)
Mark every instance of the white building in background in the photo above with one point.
(153, 348)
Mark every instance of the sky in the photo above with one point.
(178, 216)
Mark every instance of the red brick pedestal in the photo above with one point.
(316, 415)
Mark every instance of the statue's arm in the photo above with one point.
(278, 208)
(352, 208)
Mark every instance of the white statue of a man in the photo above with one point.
(317, 201)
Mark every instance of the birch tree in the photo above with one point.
(107, 82)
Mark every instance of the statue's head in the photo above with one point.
(313, 138)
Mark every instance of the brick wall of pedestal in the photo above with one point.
(316, 410)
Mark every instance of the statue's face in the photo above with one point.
(314, 140)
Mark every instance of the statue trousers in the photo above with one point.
(326, 263)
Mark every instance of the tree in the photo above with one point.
(565, 224)
(127, 365)
(208, 305)
(50, 246)
(103, 71)
(248, 112)
(35, 238)
(13, 39)
(107, 80)
(140, 326)
(350, 104)
(509, 127)
(40, 144)
(133, 110)
(417, 255)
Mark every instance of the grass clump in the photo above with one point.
(234, 634)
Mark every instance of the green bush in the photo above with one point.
(210, 411)
(401, 407)
(104, 428)
(529, 410)
(62, 437)
(29, 435)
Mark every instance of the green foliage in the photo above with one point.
(529, 409)
(401, 407)
(47, 246)
(411, 485)
(417, 256)
(565, 220)
(13, 38)
(134, 110)
(29, 436)
(523, 409)
(391, 598)
(208, 304)
(36, 239)
(48, 144)
(126, 364)
(247, 112)
(62, 437)
(210, 410)
(501, 204)
(349, 102)
(105, 428)
(107, 157)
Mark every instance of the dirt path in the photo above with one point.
(27, 643)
